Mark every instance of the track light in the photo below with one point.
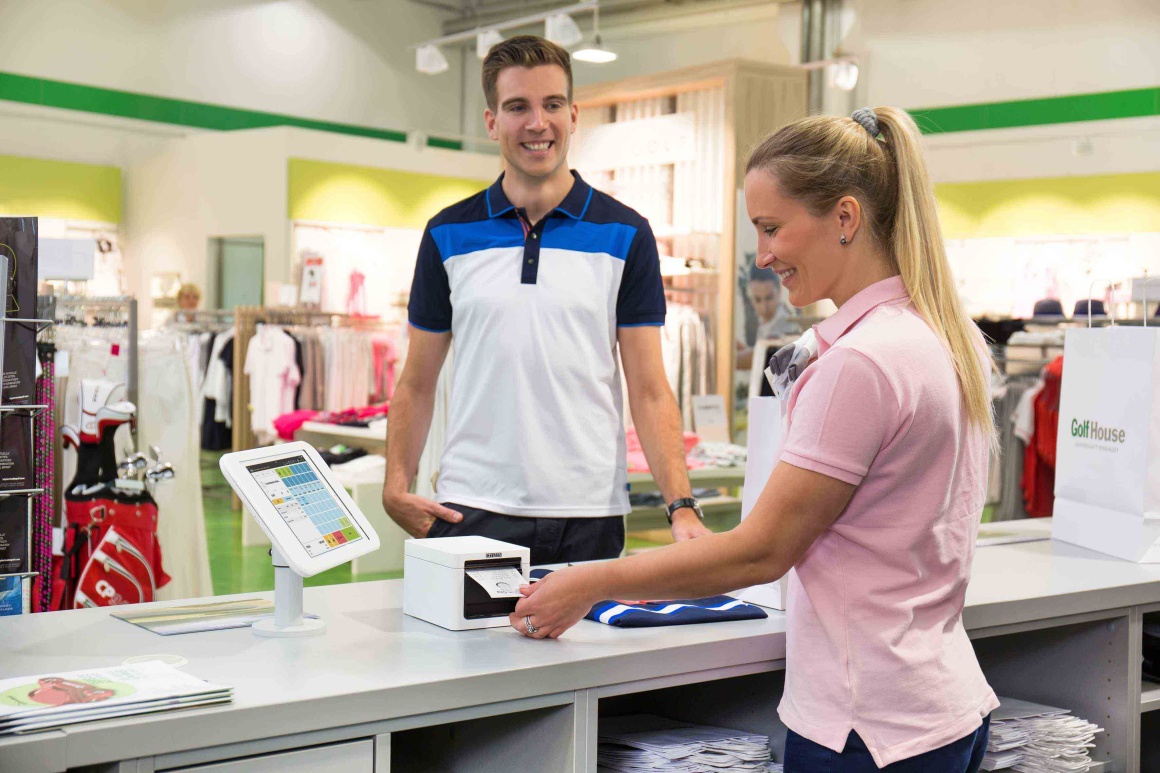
(562, 30)
(595, 54)
(559, 27)
(430, 60)
(485, 40)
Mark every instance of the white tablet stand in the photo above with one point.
(288, 620)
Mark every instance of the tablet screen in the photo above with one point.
(306, 503)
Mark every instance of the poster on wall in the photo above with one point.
(310, 290)
(761, 311)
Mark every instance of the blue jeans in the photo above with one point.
(961, 756)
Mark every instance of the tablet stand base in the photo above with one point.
(288, 620)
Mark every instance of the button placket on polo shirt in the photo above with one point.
(532, 236)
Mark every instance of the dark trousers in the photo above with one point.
(962, 756)
(551, 540)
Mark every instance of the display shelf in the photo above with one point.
(316, 432)
(1093, 654)
(747, 702)
(541, 739)
(1149, 697)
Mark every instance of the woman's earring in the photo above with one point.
(843, 240)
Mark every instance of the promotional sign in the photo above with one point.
(13, 535)
(310, 292)
(18, 242)
(766, 423)
(1107, 480)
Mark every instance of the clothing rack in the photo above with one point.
(92, 311)
(246, 320)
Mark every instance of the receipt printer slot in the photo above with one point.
(477, 603)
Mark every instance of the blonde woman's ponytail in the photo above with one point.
(920, 254)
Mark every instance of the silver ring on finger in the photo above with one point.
(528, 624)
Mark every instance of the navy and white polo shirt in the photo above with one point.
(536, 423)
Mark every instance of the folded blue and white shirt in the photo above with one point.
(650, 614)
(653, 614)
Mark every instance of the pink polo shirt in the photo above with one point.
(875, 639)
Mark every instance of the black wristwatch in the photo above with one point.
(688, 502)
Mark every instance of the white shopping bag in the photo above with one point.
(1107, 473)
(766, 425)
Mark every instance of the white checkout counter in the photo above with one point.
(383, 692)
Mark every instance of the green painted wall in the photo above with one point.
(34, 186)
(1118, 203)
(343, 193)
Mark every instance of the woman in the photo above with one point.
(876, 498)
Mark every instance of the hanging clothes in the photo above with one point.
(272, 367)
(1039, 458)
(217, 395)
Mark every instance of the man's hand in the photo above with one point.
(686, 525)
(415, 514)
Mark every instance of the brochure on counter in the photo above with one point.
(194, 618)
(50, 701)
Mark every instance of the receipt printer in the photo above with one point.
(461, 583)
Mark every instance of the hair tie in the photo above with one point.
(867, 120)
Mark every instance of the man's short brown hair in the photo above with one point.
(522, 51)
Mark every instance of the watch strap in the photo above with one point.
(688, 502)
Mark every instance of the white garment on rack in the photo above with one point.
(168, 420)
(273, 371)
(1023, 418)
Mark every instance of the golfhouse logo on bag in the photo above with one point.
(1110, 438)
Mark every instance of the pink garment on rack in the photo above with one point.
(356, 299)
(385, 357)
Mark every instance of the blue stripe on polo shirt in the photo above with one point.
(461, 238)
(613, 239)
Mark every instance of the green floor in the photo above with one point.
(240, 569)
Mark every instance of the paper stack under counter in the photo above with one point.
(643, 742)
(1032, 738)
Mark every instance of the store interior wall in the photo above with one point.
(333, 60)
(222, 184)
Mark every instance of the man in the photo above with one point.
(539, 280)
(774, 316)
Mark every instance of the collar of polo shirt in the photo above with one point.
(574, 205)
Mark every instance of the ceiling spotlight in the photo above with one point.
(844, 75)
(595, 54)
(562, 30)
(485, 40)
(430, 60)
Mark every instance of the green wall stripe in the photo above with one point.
(1103, 106)
(144, 107)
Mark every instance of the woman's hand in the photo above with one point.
(553, 605)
